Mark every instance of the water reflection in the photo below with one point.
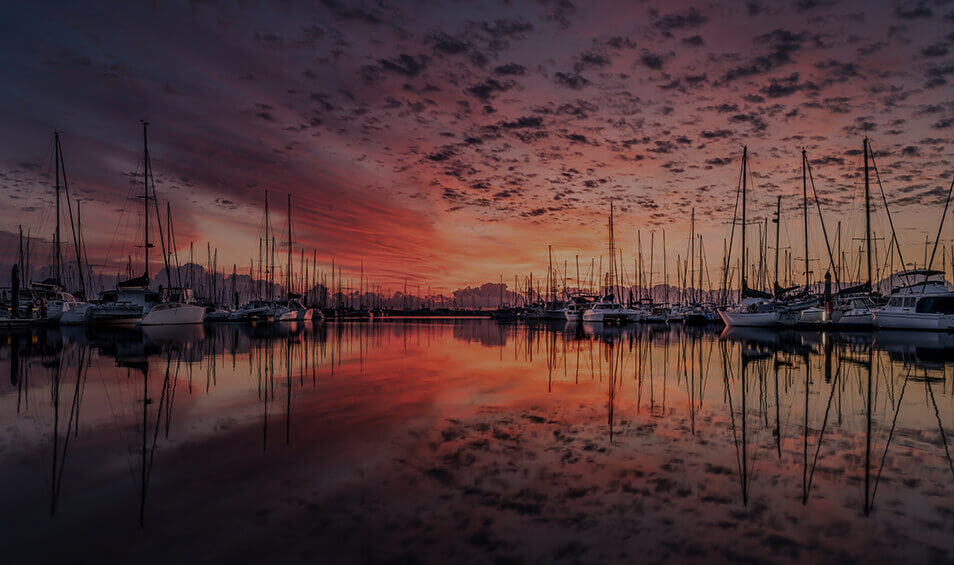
(331, 414)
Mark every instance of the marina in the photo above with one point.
(375, 282)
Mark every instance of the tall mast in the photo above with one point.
(289, 287)
(268, 263)
(805, 211)
(692, 243)
(612, 250)
(550, 271)
(58, 258)
(145, 195)
(745, 156)
(867, 212)
(665, 268)
(778, 227)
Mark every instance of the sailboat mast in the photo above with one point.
(692, 242)
(288, 288)
(58, 258)
(867, 212)
(805, 212)
(778, 227)
(665, 267)
(145, 195)
(745, 156)
(268, 263)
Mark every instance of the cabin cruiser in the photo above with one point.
(607, 309)
(533, 312)
(655, 314)
(253, 311)
(758, 312)
(554, 310)
(856, 312)
(576, 307)
(301, 313)
(924, 305)
(126, 305)
(52, 299)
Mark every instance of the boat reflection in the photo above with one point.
(790, 416)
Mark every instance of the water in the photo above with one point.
(473, 441)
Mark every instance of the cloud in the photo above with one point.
(575, 81)
(404, 64)
(783, 44)
(690, 19)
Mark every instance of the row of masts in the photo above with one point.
(692, 273)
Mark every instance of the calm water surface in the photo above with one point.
(473, 441)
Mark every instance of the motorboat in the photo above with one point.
(126, 305)
(926, 304)
(576, 307)
(607, 309)
(253, 311)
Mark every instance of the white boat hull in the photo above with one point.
(913, 321)
(750, 319)
(78, 315)
(173, 313)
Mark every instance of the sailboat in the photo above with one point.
(607, 308)
(50, 295)
(132, 302)
(757, 308)
(855, 303)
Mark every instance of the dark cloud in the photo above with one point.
(510, 69)
(943, 123)
(591, 59)
(694, 41)
(913, 11)
(782, 43)
(652, 60)
(486, 89)
(715, 134)
(345, 11)
(448, 44)
(572, 80)
(523, 122)
(691, 19)
(507, 28)
(786, 86)
(405, 64)
(620, 42)
(935, 50)
(808, 5)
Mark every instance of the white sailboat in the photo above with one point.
(757, 309)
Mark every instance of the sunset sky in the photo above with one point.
(451, 142)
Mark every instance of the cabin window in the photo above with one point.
(908, 302)
(936, 305)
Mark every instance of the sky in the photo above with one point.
(452, 142)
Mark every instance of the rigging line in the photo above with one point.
(940, 426)
(886, 209)
(884, 454)
(735, 213)
(821, 434)
(726, 372)
(831, 257)
(69, 207)
(939, 229)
